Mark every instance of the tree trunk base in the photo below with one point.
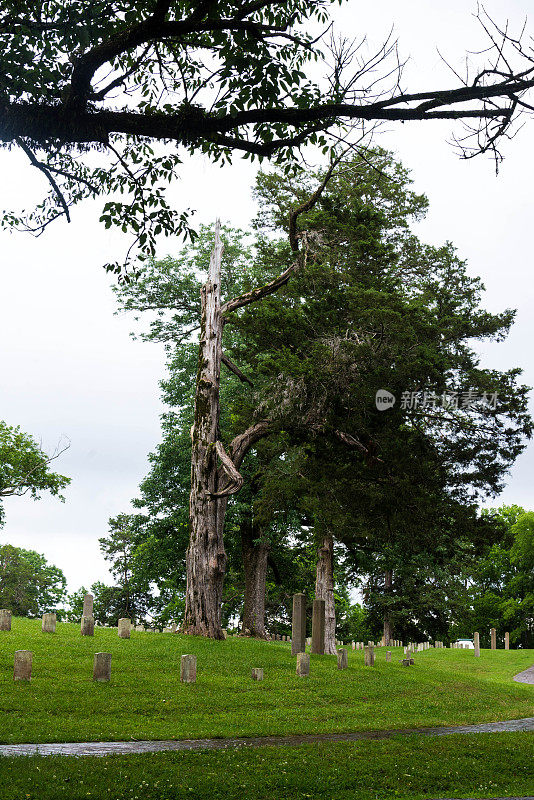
(200, 630)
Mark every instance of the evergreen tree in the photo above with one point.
(373, 309)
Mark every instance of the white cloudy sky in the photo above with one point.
(69, 368)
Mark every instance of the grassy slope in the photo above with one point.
(145, 699)
(485, 765)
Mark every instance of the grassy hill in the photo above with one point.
(145, 699)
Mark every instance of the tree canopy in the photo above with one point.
(24, 467)
(499, 584)
(374, 307)
(29, 586)
(88, 89)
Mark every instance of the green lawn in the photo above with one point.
(145, 699)
(485, 765)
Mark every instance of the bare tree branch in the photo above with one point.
(269, 288)
(46, 172)
(351, 441)
(232, 367)
(240, 446)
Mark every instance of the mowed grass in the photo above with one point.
(483, 765)
(145, 699)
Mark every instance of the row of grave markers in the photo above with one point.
(464, 646)
(49, 622)
(23, 663)
(298, 638)
(22, 669)
(188, 663)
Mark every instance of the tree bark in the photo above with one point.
(206, 557)
(41, 122)
(388, 627)
(210, 486)
(255, 557)
(324, 589)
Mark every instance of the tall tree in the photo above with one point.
(110, 80)
(324, 589)
(373, 308)
(173, 289)
(215, 471)
(131, 596)
(379, 309)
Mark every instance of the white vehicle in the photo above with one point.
(466, 644)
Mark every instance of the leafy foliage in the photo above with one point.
(101, 97)
(373, 308)
(24, 467)
(500, 583)
(29, 586)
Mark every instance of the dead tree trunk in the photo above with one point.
(388, 627)
(206, 557)
(255, 556)
(324, 590)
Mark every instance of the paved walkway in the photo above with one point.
(128, 748)
(525, 677)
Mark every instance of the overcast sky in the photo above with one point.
(69, 367)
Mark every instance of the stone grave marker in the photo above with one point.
(188, 669)
(318, 625)
(298, 624)
(342, 659)
(87, 626)
(5, 619)
(303, 665)
(369, 657)
(48, 624)
(102, 667)
(88, 602)
(22, 667)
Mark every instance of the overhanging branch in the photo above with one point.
(41, 122)
(46, 172)
(24, 485)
